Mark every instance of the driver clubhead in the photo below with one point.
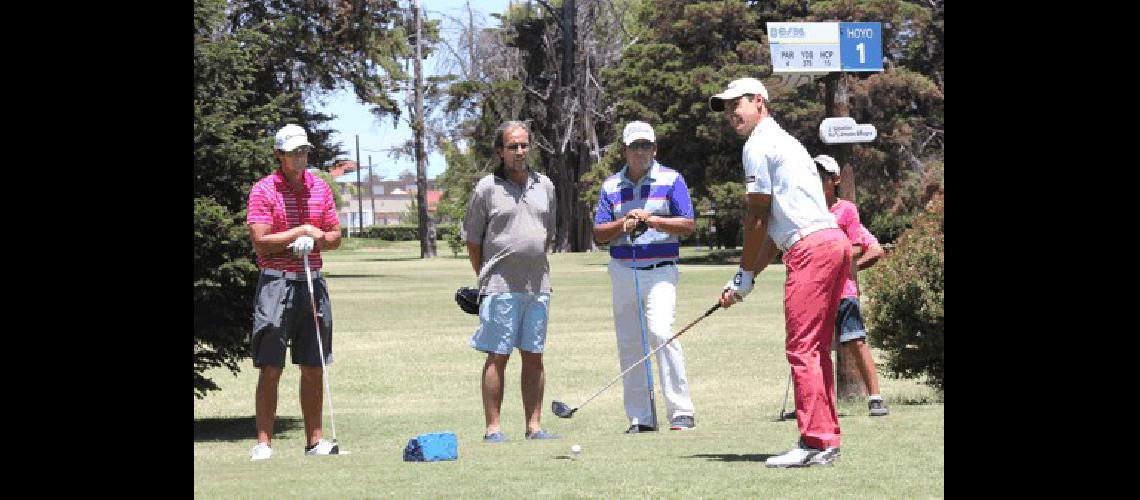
(561, 409)
(337, 451)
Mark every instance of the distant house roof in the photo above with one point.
(341, 167)
(433, 199)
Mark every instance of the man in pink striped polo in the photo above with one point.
(786, 210)
(291, 214)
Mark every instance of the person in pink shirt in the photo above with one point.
(291, 214)
(865, 252)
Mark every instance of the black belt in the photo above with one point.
(655, 266)
(289, 275)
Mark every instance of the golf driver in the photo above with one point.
(644, 339)
(321, 353)
(565, 411)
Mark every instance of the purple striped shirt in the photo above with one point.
(273, 201)
(661, 191)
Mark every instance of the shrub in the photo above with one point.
(393, 232)
(404, 232)
(904, 300)
(446, 231)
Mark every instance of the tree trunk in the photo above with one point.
(565, 192)
(848, 381)
(426, 229)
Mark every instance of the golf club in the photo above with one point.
(564, 411)
(321, 354)
(644, 338)
(783, 415)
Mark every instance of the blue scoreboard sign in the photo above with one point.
(861, 46)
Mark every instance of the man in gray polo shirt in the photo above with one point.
(508, 227)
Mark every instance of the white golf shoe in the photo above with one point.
(260, 452)
(804, 456)
(322, 448)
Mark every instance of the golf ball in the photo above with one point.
(575, 449)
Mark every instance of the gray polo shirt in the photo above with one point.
(513, 224)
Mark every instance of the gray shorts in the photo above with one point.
(282, 315)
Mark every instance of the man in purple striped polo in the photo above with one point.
(291, 214)
(643, 268)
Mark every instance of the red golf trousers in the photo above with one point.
(817, 266)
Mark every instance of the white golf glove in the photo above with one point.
(741, 284)
(301, 246)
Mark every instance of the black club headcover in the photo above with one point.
(468, 299)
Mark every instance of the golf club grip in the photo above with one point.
(647, 356)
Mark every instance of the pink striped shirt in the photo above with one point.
(273, 201)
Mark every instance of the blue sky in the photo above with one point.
(353, 118)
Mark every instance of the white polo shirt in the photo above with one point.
(775, 163)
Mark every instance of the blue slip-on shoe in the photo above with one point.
(541, 434)
(494, 437)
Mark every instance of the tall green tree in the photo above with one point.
(232, 147)
(692, 49)
(257, 65)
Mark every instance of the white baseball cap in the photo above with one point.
(290, 137)
(737, 88)
(828, 163)
(637, 130)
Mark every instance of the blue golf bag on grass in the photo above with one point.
(432, 447)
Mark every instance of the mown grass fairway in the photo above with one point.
(402, 367)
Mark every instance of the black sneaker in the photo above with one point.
(636, 428)
(878, 407)
(682, 423)
(825, 457)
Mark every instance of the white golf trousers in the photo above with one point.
(659, 298)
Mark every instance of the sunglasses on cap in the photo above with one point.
(301, 150)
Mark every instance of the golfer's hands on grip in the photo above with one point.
(301, 246)
(633, 217)
(737, 288)
(311, 231)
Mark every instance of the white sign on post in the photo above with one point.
(804, 47)
(843, 130)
